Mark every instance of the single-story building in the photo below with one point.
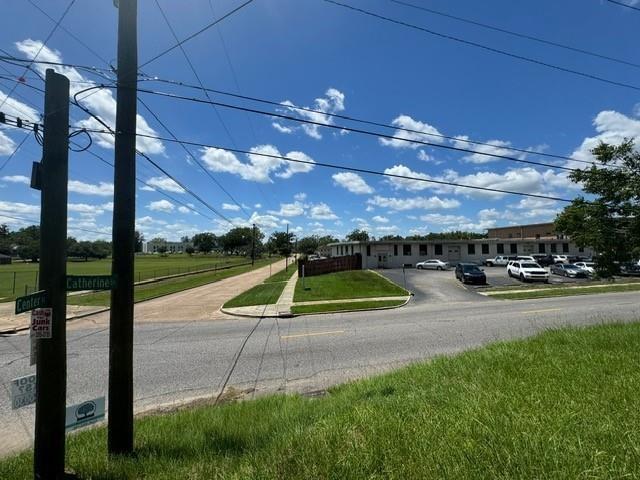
(152, 246)
(5, 259)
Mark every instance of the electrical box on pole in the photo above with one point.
(51, 357)
(120, 423)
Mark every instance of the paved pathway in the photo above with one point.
(281, 308)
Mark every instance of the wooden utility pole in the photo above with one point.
(120, 427)
(51, 359)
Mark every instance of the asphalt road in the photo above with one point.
(175, 362)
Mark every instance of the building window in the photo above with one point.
(368, 250)
(406, 250)
(511, 235)
(471, 248)
(351, 249)
(513, 248)
(500, 248)
(485, 249)
(538, 238)
(395, 250)
(438, 248)
(565, 248)
(423, 250)
(541, 248)
(554, 248)
(581, 249)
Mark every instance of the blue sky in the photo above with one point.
(322, 56)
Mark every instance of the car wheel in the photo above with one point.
(522, 279)
(419, 267)
(508, 273)
(438, 268)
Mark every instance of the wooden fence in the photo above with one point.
(329, 265)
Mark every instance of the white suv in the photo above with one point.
(560, 259)
(500, 260)
(527, 271)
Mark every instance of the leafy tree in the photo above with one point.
(610, 222)
(387, 238)
(308, 245)
(238, 240)
(325, 240)
(204, 242)
(453, 235)
(162, 249)
(185, 239)
(5, 240)
(358, 236)
(139, 241)
(190, 250)
(27, 241)
(280, 243)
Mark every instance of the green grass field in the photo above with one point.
(146, 267)
(561, 405)
(566, 291)
(266, 293)
(345, 285)
(342, 306)
(168, 286)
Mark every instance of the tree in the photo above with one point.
(162, 249)
(5, 240)
(190, 250)
(185, 239)
(238, 240)
(358, 236)
(139, 241)
(388, 238)
(308, 245)
(610, 223)
(204, 242)
(27, 241)
(280, 243)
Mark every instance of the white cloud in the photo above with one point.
(322, 211)
(18, 208)
(380, 219)
(161, 206)
(101, 102)
(183, 209)
(352, 182)
(413, 203)
(420, 133)
(331, 103)
(262, 162)
(439, 219)
(230, 206)
(406, 183)
(386, 229)
(7, 146)
(301, 197)
(16, 108)
(17, 179)
(425, 157)
(289, 209)
(257, 205)
(163, 183)
(103, 189)
(492, 147)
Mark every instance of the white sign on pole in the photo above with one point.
(33, 353)
(84, 413)
(23, 391)
(41, 323)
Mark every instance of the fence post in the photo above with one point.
(35, 284)
(14, 283)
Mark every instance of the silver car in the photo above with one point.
(432, 265)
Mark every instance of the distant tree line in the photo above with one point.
(358, 235)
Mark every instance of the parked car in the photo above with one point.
(527, 258)
(544, 260)
(470, 273)
(432, 265)
(589, 267)
(630, 269)
(499, 261)
(527, 271)
(560, 258)
(568, 270)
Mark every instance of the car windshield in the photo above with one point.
(570, 267)
(530, 265)
(589, 264)
(470, 268)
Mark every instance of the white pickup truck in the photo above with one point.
(500, 261)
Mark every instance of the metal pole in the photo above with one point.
(286, 259)
(51, 360)
(120, 428)
(253, 246)
(14, 283)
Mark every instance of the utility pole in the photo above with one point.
(51, 359)
(286, 260)
(120, 427)
(253, 246)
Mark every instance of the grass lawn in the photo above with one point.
(165, 287)
(345, 285)
(266, 293)
(339, 306)
(146, 266)
(561, 405)
(566, 291)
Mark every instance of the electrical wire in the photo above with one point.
(15, 150)
(515, 34)
(484, 47)
(622, 4)
(37, 222)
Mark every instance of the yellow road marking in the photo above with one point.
(541, 311)
(335, 332)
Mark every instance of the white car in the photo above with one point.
(500, 260)
(560, 258)
(432, 265)
(527, 271)
(588, 266)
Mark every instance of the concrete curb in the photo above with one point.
(357, 310)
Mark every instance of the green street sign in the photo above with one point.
(76, 283)
(29, 302)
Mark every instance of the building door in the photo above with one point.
(382, 260)
(453, 253)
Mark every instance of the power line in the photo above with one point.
(42, 45)
(515, 34)
(356, 130)
(15, 150)
(484, 47)
(624, 5)
(37, 222)
(203, 29)
(350, 169)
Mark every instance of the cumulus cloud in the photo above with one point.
(183, 209)
(103, 189)
(380, 219)
(17, 179)
(331, 103)
(289, 209)
(161, 206)
(421, 131)
(440, 219)
(163, 183)
(18, 208)
(262, 162)
(322, 211)
(301, 197)
(352, 182)
(230, 206)
(483, 152)
(413, 203)
(101, 102)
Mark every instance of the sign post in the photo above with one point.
(29, 302)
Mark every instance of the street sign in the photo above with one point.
(23, 391)
(84, 413)
(29, 302)
(89, 282)
(41, 325)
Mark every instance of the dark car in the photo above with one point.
(470, 273)
(630, 269)
(568, 270)
(543, 260)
